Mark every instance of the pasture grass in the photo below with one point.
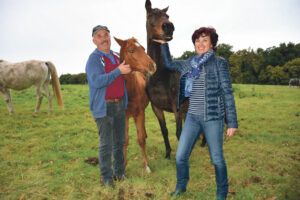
(42, 156)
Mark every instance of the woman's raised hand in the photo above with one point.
(159, 41)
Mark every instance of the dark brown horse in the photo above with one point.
(134, 55)
(162, 86)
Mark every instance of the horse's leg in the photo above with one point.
(7, 98)
(39, 98)
(203, 141)
(141, 137)
(49, 96)
(126, 140)
(162, 122)
(178, 124)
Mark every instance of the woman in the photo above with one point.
(205, 80)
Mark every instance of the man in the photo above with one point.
(108, 102)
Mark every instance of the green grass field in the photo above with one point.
(42, 156)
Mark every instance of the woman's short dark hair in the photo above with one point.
(207, 31)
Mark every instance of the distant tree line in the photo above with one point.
(274, 66)
(73, 78)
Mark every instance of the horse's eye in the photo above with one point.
(131, 51)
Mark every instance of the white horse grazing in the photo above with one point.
(22, 75)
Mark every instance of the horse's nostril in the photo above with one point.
(168, 27)
(165, 26)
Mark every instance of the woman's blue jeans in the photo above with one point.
(213, 132)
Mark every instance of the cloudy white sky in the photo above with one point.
(60, 30)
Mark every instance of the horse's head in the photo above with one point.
(134, 54)
(158, 24)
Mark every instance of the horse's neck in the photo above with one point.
(153, 49)
(130, 76)
(134, 82)
(162, 73)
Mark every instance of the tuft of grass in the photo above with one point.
(42, 156)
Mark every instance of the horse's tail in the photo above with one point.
(55, 84)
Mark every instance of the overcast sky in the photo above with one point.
(60, 30)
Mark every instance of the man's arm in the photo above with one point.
(98, 78)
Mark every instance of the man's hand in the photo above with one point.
(125, 69)
(230, 132)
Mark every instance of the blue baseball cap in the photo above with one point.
(98, 28)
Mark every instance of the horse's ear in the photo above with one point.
(148, 6)
(166, 9)
(119, 41)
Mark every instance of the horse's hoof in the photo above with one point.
(168, 156)
(148, 170)
(168, 153)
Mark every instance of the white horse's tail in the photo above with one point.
(55, 84)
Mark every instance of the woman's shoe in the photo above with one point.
(176, 193)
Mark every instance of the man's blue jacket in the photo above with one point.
(98, 80)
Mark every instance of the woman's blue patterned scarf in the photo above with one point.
(194, 73)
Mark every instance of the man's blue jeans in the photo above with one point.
(111, 129)
(213, 132)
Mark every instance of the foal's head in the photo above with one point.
(158, 24)
(134, 54)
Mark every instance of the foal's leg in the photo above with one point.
(49, 96)
(142, 135)
(162, 122)
(7, 98)
(126, 140)
(39, 98)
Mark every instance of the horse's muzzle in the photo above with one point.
(152, 68)
(168, 29)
